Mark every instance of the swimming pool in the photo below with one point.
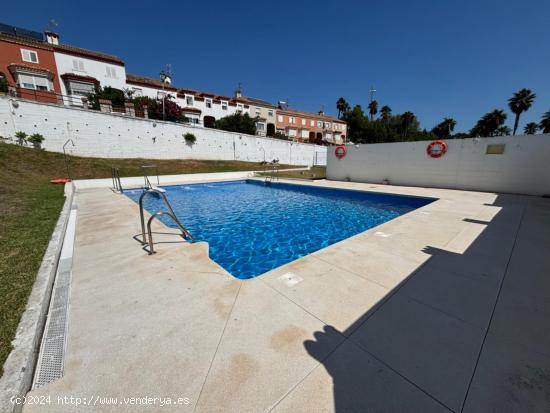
(252, 228)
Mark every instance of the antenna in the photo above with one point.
(372, 91)
(52, 24)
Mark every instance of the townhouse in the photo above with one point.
(37, 66)
(28, 65)
(310, 127)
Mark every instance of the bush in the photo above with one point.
(116, 96)
(36, 139)
(237, 123)
(190, 138)
(21, 137)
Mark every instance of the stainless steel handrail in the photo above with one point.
(115, 176)
(147, 182)
(274, 175)
(185, 233)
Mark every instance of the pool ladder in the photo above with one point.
(147, 182)
(274, 173)
(158, 192)
(115, 175)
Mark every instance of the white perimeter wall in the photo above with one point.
(524, 168)
(117, 136)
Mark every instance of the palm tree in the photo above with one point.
(489, 123)
(443, 129)
(342, 107)
(544, 124)
(406, 119)
(520, 102)
(373, 109)
(531, 128)
(503, 131)
(385, 114)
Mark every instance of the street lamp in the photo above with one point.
(165, 77)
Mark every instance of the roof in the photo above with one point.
(191, 110)
(25, 41)
(79, 78)
(147, 81)
(255, 101)
(310, 114)
(78, 51)
(33, 68)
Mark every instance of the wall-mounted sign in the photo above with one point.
(495, 149)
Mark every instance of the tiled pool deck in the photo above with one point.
(443, 309)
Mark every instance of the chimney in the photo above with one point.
(52, 38)
(322, 113)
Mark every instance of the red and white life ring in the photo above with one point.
(436, 149)
(340, 151)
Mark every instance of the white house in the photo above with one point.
(80, 70)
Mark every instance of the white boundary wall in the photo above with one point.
(524, 168)
(103, 135)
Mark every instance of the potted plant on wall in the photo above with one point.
(36, 139)
(190, 139)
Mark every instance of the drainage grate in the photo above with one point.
(51, 358)
(50, 363)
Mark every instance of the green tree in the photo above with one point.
(544, 124)
(407, 119)
(373, 109)
(520, 102)
(503, 131)
(443, 129)
(531, 128)
(342, 107)
(237, 123)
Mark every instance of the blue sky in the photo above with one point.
(435, 58)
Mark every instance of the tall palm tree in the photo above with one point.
(520, 102)
(342, 106)
(373, 109)
(531, 128)
(544, 124)
(406, 119)
(385, 113)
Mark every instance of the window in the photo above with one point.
(81, 88)
(29, 56)
(189, 100)
(257, 111)
(224, 105)
(311, 123)
(36, 82)
(78, 65)
(136, 91)
(319, 124)
(327, 125)
(291, 119)
(239, 107)
(303, 122)
(260, 126)
(270, 113)
(111, 72)
(279, 118)
(208, 103)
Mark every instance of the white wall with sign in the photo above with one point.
(523, 166)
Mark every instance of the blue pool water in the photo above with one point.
(252, 228)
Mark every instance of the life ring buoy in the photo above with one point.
(436, 149)
(340, 151)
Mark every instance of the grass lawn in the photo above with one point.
(315, 172)
(30, 206)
